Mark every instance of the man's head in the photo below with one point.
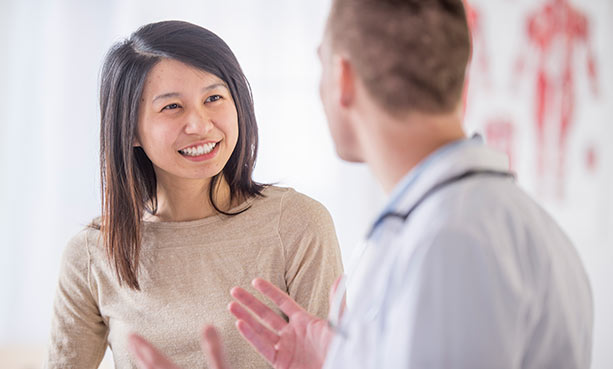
(408, 55)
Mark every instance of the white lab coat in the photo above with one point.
(479, 276)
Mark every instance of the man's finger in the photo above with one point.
(213, 348)
(334, 288)
(242, 314)
(147, 356)
(265, 347)
(265, 313)
(336, 311)
(280, 298)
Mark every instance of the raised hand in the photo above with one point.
(300, 343)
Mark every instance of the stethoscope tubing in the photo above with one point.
(336, 306)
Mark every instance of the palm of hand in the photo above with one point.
(300, 343)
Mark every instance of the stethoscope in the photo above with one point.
(336, 306)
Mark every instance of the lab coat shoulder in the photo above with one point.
(459, 302)
(492, 217)
(483, 277)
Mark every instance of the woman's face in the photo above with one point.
(187, 122)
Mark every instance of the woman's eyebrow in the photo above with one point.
(214, 86)
(166, 95)
(176, 94)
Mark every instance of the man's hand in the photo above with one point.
(213, 348)
(300, 343)
(148, 357)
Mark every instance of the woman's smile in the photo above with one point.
(200, 151)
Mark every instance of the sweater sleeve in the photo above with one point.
(313, 258)
(78, 332)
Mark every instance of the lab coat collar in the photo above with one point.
(450, 160)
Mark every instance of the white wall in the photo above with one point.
(49, 127)
(52, 52)
(585, 208)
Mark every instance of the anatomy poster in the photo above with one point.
(540, 90)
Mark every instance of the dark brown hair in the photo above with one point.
(127, 175)
(410, 54)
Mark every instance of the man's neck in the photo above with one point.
(396, 146)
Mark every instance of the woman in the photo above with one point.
(182, 220)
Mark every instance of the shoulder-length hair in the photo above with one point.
(128, 181)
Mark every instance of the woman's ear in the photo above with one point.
(136, 142)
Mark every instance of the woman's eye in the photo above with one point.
(171, 106)
(213, 98)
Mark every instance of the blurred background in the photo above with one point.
(541, 89)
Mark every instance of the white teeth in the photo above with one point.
(199, 150)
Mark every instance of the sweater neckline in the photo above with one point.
(198, 222)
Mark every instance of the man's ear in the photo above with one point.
(345, 80)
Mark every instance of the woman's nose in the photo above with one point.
(198, 122)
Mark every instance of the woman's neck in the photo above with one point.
(187, 199)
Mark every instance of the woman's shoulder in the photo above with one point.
(84, 240)
(305, 227)
(288, 200)
(78, 250)
(293, 207)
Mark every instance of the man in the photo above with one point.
(462, 269)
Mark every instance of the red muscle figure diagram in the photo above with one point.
(500, 134)
(498, 129)
(558, 38)
(479, 57)
(479, 53)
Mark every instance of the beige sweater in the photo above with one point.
(186, 272)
